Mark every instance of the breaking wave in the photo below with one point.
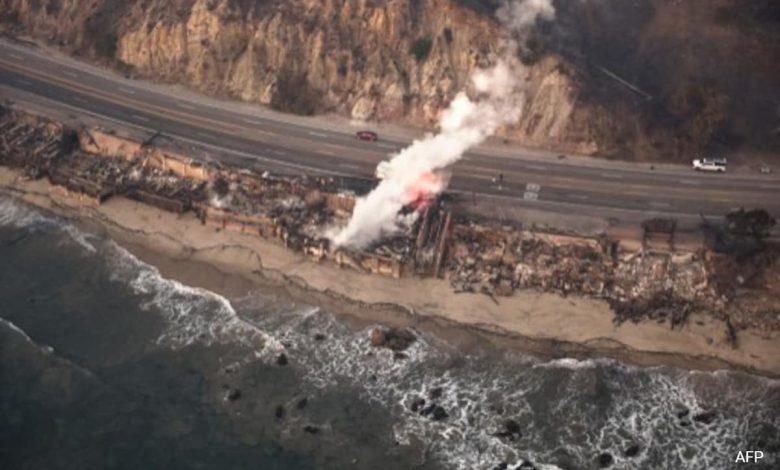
(570, 411)
(16, 214)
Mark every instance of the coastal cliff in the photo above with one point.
(649, 80)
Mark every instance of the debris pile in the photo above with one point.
(659, 274)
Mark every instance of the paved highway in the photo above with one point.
(303, 146)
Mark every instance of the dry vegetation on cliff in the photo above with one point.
(703, 72)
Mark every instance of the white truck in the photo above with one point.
(710, 164)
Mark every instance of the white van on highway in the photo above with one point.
(710, 164)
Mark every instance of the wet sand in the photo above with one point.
(544, 324)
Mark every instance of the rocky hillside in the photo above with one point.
(647, 79)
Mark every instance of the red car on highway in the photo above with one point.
(367, 135)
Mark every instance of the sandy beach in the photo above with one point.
(539, 323)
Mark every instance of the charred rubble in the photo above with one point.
(653, 272)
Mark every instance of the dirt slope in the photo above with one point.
(702, 73)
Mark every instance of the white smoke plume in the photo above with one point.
(497, 99)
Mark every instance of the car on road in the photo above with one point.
(367, 135)
(710, 164)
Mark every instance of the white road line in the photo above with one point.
(253, 122)
(328, 152)
(80, 100)
(537, 167)
(689, 182)
(125, 90)
(349, 165)
(140, 118)
(23, 81)
(70, 74)
(278, 152)
(184, 105)
(770, 186)
(15, 56)
(206, 135)
(386, 146)
(660, 204)
(581, 197)
(318, 134)
(611, 175)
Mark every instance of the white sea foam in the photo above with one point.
(565, 407)
(16, 329)
(19, 215)
(192, 314)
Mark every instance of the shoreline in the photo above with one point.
(541, 324)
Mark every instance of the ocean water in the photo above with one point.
(104, 363)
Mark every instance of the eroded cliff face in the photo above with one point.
(406, 59)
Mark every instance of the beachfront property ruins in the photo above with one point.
(650, 271)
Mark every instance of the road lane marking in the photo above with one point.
(537, 167)
(770, 186)
(386, 146)
(206, 135)
(349, 165)
(23, 81)
(185, 106)
(278, 152)
(15, 56)
(318, 134)
(140, 118)
(581, 197)
(612, 175)
(78, 99)
(70, 74)
(253, 122)
(660, 204)
(690, 182)
(125, 90)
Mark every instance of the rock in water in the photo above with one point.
(705, 417)
(632, 451)
(279, 412)
(439, 413)
(605, 460)
(302, 403)
(233, 394)
(311, 429)
(436, 393)
(282, 359)
(391, 338)
(417, 404)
